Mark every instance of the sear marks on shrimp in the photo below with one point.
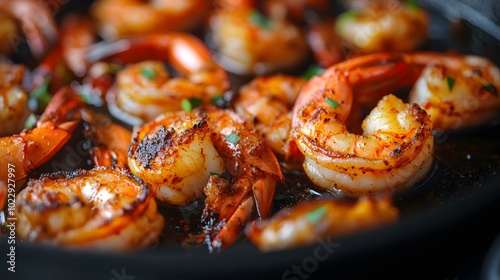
(102, 209)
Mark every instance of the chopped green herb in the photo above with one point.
(345, 17)
(450, 81)
(317, 214)
(189, 104)
(412, 5)
(260, 20)
(332, 102)
(312, 71)
(30, 122)
(148, 73)
(491, 88)
(233, 138)
(42, 96)
(218, 101)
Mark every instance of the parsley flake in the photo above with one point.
(334, 104)
(189, 104)
(233, 138)
(42, 96)
(260, 20)
(148, 73)
(317, 214)
(313, 70)
(30, 122)
(218, 101)
(450, 81)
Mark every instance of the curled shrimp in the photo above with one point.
(457, 91)
(267, 101)
(395, 150)
(384, 26)
(175, 156)
(31, 148)
(145, 90)
(309, 222)
(249, 43)
(103, 209)
(35, 22)
(13, 99)
(135, 17)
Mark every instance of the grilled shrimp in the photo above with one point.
(145, 90)
(267, 102)
(309, 222)
(253, 173)
(249, 43)
(13, 100)
(458, 91)
(31, 148)
(102, 209)
(135, 17)
(395, 150)
(175, 156)
(384, 26)
(35, 20)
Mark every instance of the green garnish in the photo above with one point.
(214, 174)
(260, 20)
(491, 88)
(450, 81)
(148, 73)
(30, 122)
(332, 102)
(42, 96)
(189, 104)
(218, 101)
(233, 138)
(317, 214)
(345, 17)
(412, 5)
(313, 70)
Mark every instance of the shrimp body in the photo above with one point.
(249, 44)
(395, 150)
(321, 219)
(458, 91)
(13, 100)
(267, 101)
(175, 156)
(101, 209)
(145, 89)
(384, 26)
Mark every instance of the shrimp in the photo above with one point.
(309, 222)
(267, 102)
(253, 173)
(13, 99)
(395, 150)
(36, 23)
(144, 90)
(135, 17)
(31, 148)
(104, 209)
(384, 26)
(175, 156)
(458, 91)
(109, 140)
(248, 43)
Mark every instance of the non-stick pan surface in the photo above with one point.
(445, 225)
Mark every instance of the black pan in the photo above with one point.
(446, 225)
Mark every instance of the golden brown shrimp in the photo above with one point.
(121, 18)
(309, 222)
(102, 209)
(175, 156)
(36, 22)
(395, 150)
(249, 43)
(13, 99)
(31, 148)
(253, 173)
(384, 26)
(145, 90)
(109, 141)
(458, 91)
(267, 101)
